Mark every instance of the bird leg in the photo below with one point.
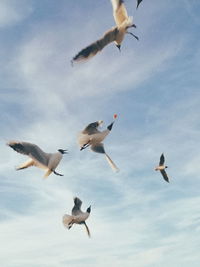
(133, 35)
(57, 173)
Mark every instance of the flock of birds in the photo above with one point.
(90, 136)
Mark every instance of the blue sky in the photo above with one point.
(137, 219)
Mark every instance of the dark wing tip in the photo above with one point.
(164, 174)
(77, 202)
(162, 159)
(16, 146)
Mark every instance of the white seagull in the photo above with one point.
(162, 168)
(115, 34)
(38, 158)
(92, 137)
(78, 216)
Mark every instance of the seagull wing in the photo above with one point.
(67, 220)
(97, 46)
(112, 164)
(31, 150)
(98, 148)
(77, 206)
(138, 2)
(164, 174)
(119, 11)
(162, 160)
(87, 229)
(91, 128)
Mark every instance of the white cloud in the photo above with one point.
(13, 11)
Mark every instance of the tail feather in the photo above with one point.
(111, 163)
(67, 221)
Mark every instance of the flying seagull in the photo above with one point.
(78, 216)
(92, 137)
(162, 168)
(115, 34)
(38, 157)
(138, 2)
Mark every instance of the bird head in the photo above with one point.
(63, 151)
(89, 209)
(166, 167)
(100, 123)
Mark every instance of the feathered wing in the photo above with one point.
(25, 165)
(111, 163)
(91, 128)
(67, 220)
(77, 206)
(119, 11)
(162, 160)
(138, 2)
(97, 46)
(31, 150)
(164, 174)
(87, 229)
(98, 148)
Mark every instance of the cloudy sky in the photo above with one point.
(137, 219)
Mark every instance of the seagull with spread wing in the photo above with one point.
(92, 137)
(78, 216)
(38, 158)
(162, 168)
(115, 34)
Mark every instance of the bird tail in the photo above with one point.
(87, 229)
(47, 173)
(67, 221)
(111, 163)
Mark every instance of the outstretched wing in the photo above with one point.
(77, 206)
(119, 11)
(138, 2)
(91, 128)
(162, 160)
(98, 148)
(97, 46)
(87, 229)
(31, 150)
(164, 174)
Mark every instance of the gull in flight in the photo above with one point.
(115, 34)
(78, 216)
(92, 137)
(162, 168)
(38, 158)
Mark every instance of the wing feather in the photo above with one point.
(162, 160)
(164, 174)
(97, 46)
(98, 148)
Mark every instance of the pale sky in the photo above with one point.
(137, 219)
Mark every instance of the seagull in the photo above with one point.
(38, 157)
(138, 2)
(115, 34)
(78, 216)
(162, 168)
(92, 137)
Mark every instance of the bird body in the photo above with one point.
(39, 158)
(78, 216)
(92, 137)
(162, 168)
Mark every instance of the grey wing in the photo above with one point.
(97, 46)
(30, 150)
(77, 206)
(162, 160)
(91, 128)
(164, 174)
(98, 148)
